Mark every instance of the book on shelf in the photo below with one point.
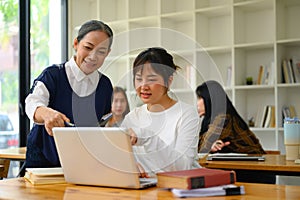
(39, 176)
(223, 190)
(266, 74)
(258, 116)
(285, 72)
(260, 75)
(229, 75)
(288, 111)
(270, 117)
(296, 69)
(267, 117)
(292, 111)
(290, 71)
(195, 178)
(271, 71)
(272, 120)
(265, 80)
(264, 116)
(268, 77)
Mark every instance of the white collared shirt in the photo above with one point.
(82, 84)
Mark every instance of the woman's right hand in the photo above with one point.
(50, 117)
(218, 145)
(142, 173)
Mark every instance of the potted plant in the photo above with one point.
(249, 80)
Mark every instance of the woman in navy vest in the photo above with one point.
(74, 92)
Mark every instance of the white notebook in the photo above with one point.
(38, 176)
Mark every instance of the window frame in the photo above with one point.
(25, 60)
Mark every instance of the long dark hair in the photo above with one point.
(216, 102)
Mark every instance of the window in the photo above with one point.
(9, 34)
(47, 17)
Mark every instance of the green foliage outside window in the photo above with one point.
(39, 37)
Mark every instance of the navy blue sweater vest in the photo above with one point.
(82, 111)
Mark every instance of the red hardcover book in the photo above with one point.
(195, 178)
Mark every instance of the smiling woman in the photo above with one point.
(164, 131)
(68, 93)
(92, 50)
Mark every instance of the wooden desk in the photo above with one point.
(20, 189)
(274, 163)
(13, 154)
(257, 171)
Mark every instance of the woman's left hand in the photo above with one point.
(218, 145)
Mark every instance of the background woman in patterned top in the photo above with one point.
(223, 129)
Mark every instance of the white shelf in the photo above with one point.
(209, 23)
(142, 8)
(206, 37)
(173, 6)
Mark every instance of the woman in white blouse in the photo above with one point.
(74, 92)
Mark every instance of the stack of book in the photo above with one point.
(265, 117)
(266, 74)
(288, 111)
(291, 70)
(38, 176)
(200, 182)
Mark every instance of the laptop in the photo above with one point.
(235, 157)
(98, 156)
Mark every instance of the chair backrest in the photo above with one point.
(4, 167)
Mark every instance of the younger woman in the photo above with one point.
(164, 130)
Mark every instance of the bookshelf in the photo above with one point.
(206, 37)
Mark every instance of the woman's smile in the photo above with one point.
(145, 95)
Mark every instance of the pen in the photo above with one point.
(101, 123)
(104, 119)
(69, 124)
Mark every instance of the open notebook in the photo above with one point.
(235, 156)
(98, 156)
